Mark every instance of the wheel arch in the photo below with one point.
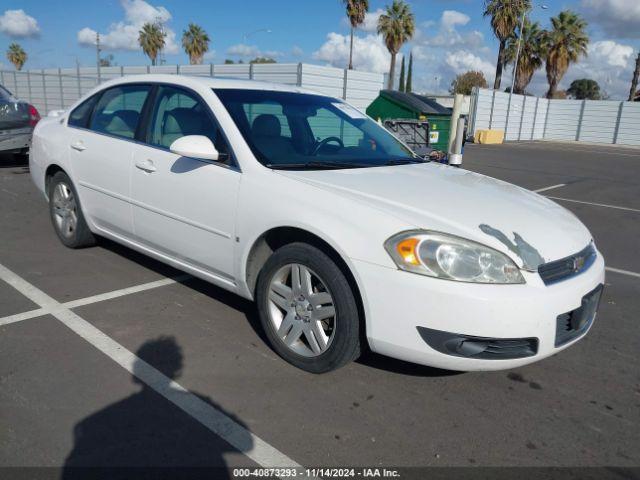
(51, 170)
(277, 237)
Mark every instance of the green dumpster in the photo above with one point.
(391, 104)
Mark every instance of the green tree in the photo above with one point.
(263, 60)
(401, 86)
(465, 82)
(505, 17)
(564, 44)
(633, 94)
(356, 11)
(195, 42)
(585, 89)
(152, 39)
(108, 61)
(409, 85)
(17, 55)
(531, 54)
(396, 26)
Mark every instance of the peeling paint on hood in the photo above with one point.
(531, 258)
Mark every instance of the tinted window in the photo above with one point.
(287, 129)
(178, 113)
(79, 117)
(118, 110)
(325, 124)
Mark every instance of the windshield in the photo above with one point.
(295, 130)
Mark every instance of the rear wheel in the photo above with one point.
(66, 213)
(307, 309)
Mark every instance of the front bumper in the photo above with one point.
(397, 303)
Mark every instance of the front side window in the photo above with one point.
(118, 110)
(294, 130)
(178, 113)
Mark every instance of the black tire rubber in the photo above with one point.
(345, 346)
(82, 237)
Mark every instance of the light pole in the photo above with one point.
(515, 65)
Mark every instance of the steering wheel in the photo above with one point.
(322, 143)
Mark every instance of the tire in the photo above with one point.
(324, 342)
(66, 213)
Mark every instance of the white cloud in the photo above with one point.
(123, 35)
(17, 24)
(369, 53)
(444, 49)
(370, 23)
(608, 52)
(296, 51)
(452, 18)
(461, 61)
(618, 18)
(245, 51)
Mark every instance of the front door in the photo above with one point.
(185, 207)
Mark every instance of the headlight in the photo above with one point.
(450, 257)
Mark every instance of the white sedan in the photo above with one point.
(342, 235)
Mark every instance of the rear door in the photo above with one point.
(102, 142)
(185, 207)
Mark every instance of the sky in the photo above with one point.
(451, 35)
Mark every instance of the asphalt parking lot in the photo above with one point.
(68, 396)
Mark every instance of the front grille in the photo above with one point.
(460, 345)
(572, 324)
(568, 267)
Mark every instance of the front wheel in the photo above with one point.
(66, 214)
(307, 309)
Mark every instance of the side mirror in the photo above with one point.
(55, 113)
(195, 146)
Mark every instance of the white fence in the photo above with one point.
(533, 118)
(58, 88)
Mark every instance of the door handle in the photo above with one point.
(79, 146)
(146, 165)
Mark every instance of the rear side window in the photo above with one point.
(118, 110)
(79, 117)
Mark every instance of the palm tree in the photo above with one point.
(356, 11)
(634, 80)
(531, 54)
(396, 26)
(505, 16)
(17, 56)
(151, 39)
(564, 44)
(195, 42)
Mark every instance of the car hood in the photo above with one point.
(528, 227)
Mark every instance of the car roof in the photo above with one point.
(208, 82)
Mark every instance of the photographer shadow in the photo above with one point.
(147, 436)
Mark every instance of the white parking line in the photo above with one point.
(38, 312)
(550, 188)
(233, 433)
(623, 272)
(629, 209)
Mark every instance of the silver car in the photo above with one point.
(17, 119)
